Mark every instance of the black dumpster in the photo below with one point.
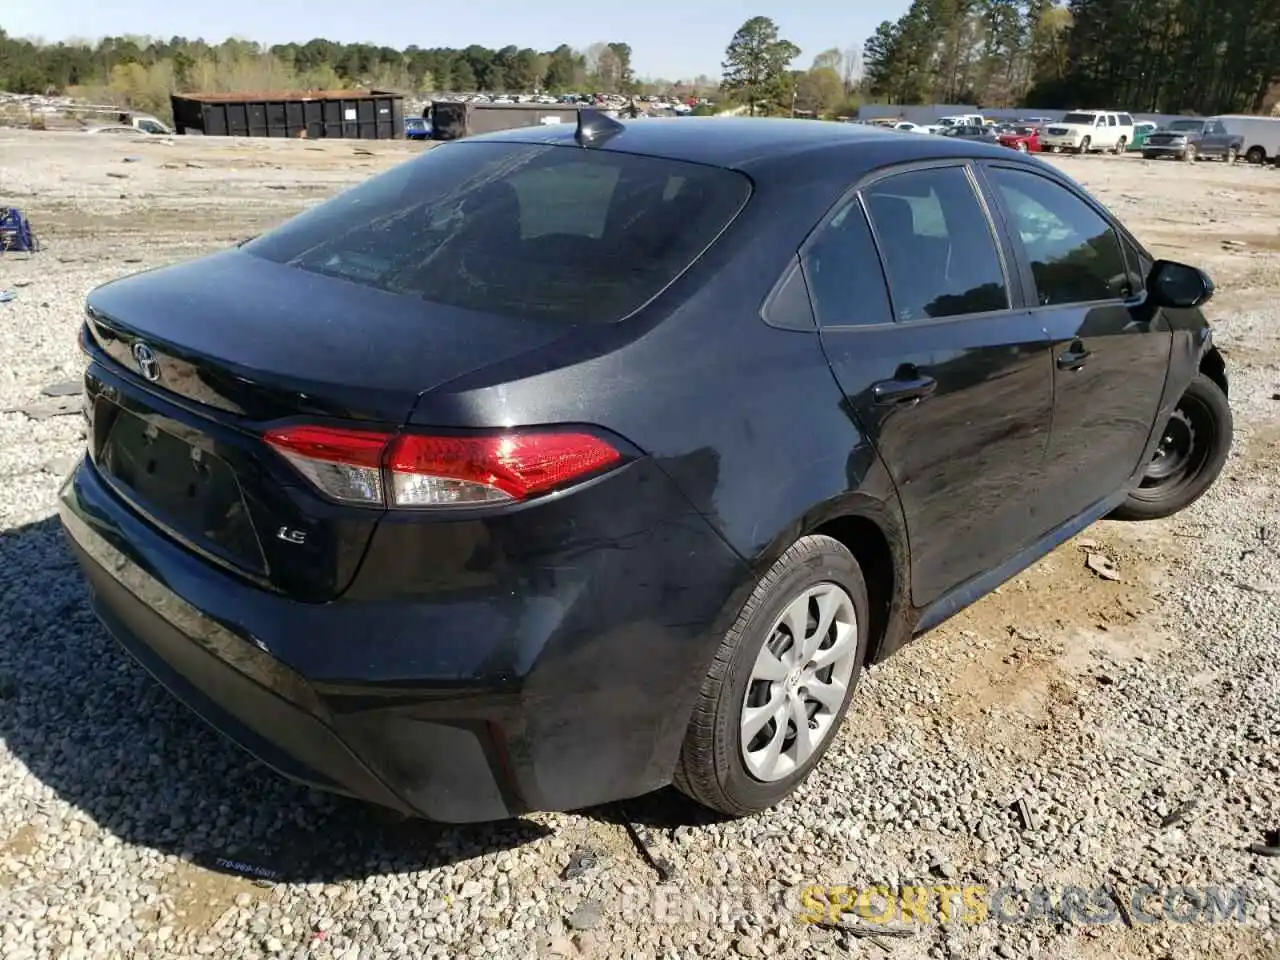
(314, 114)
(451, 120)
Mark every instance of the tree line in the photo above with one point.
(1158, 56)
(142, 72)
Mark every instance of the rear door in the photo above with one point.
(940, 363)
(1216, 140)
(1111, 351)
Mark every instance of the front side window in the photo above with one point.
(1074, 253)
(939, 252)
(583, 236)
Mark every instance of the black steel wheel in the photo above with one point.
(1193, 447)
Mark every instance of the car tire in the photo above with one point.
(1255, 155)
(1189, 153)
(1231, 155)
(1121, 145)
(713, 766)
(1193, 448)
(1084, 146)
(1022, 146)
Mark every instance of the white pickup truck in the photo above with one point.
(1081, 131)
(962, 120)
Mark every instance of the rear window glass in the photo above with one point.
(580, 235)
(1084, 118)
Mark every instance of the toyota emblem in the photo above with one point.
(148, 365)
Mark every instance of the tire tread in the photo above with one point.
(695, 773)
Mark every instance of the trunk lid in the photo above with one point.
(262, 340)
(193, 360)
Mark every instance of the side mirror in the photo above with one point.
(1173, 284)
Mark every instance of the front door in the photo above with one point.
(940, 365)
(1110, 350)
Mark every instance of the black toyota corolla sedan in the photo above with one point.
(557, 465)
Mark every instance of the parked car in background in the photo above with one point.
(417, 128)
(1141, 130)
(1082, 131)
(115, 130)
(368, 493)
(907, 127)
(1260, 136)
(963, 120)
(1022, 139)
(1191, 139)
(967, 132)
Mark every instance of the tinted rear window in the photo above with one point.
(581, 235)
(1084, 118)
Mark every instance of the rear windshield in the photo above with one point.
(1084, 118)
(1193, 125)
(564, 232)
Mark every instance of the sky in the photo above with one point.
(668, 38)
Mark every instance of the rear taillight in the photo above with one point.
(411, 470)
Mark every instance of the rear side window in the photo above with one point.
(1126, 120)
(584, 236)
(939, 252)
(1075, 255)
(843, 272)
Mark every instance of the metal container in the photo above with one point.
(451, 120)
(314, 114)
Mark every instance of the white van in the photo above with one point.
(1261, 136)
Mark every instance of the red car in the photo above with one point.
(1022, 139)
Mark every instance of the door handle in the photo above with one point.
(903, 390)
(1075, 358)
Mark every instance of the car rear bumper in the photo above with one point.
(327, 695)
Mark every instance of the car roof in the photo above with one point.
(754, 145)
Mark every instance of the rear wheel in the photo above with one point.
(1189, 457)
(1255, 155)
(780, 683)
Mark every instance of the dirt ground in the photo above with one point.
(1004, 678)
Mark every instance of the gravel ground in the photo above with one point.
(1067, 730)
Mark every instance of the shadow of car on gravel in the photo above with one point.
(94, 727)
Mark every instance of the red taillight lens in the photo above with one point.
(426, 471)
(409, 470)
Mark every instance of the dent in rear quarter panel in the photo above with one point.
(589, 608)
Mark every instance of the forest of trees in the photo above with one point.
(141, 72)
(1162, 56)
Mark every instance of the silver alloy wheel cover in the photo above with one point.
(791, 677)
